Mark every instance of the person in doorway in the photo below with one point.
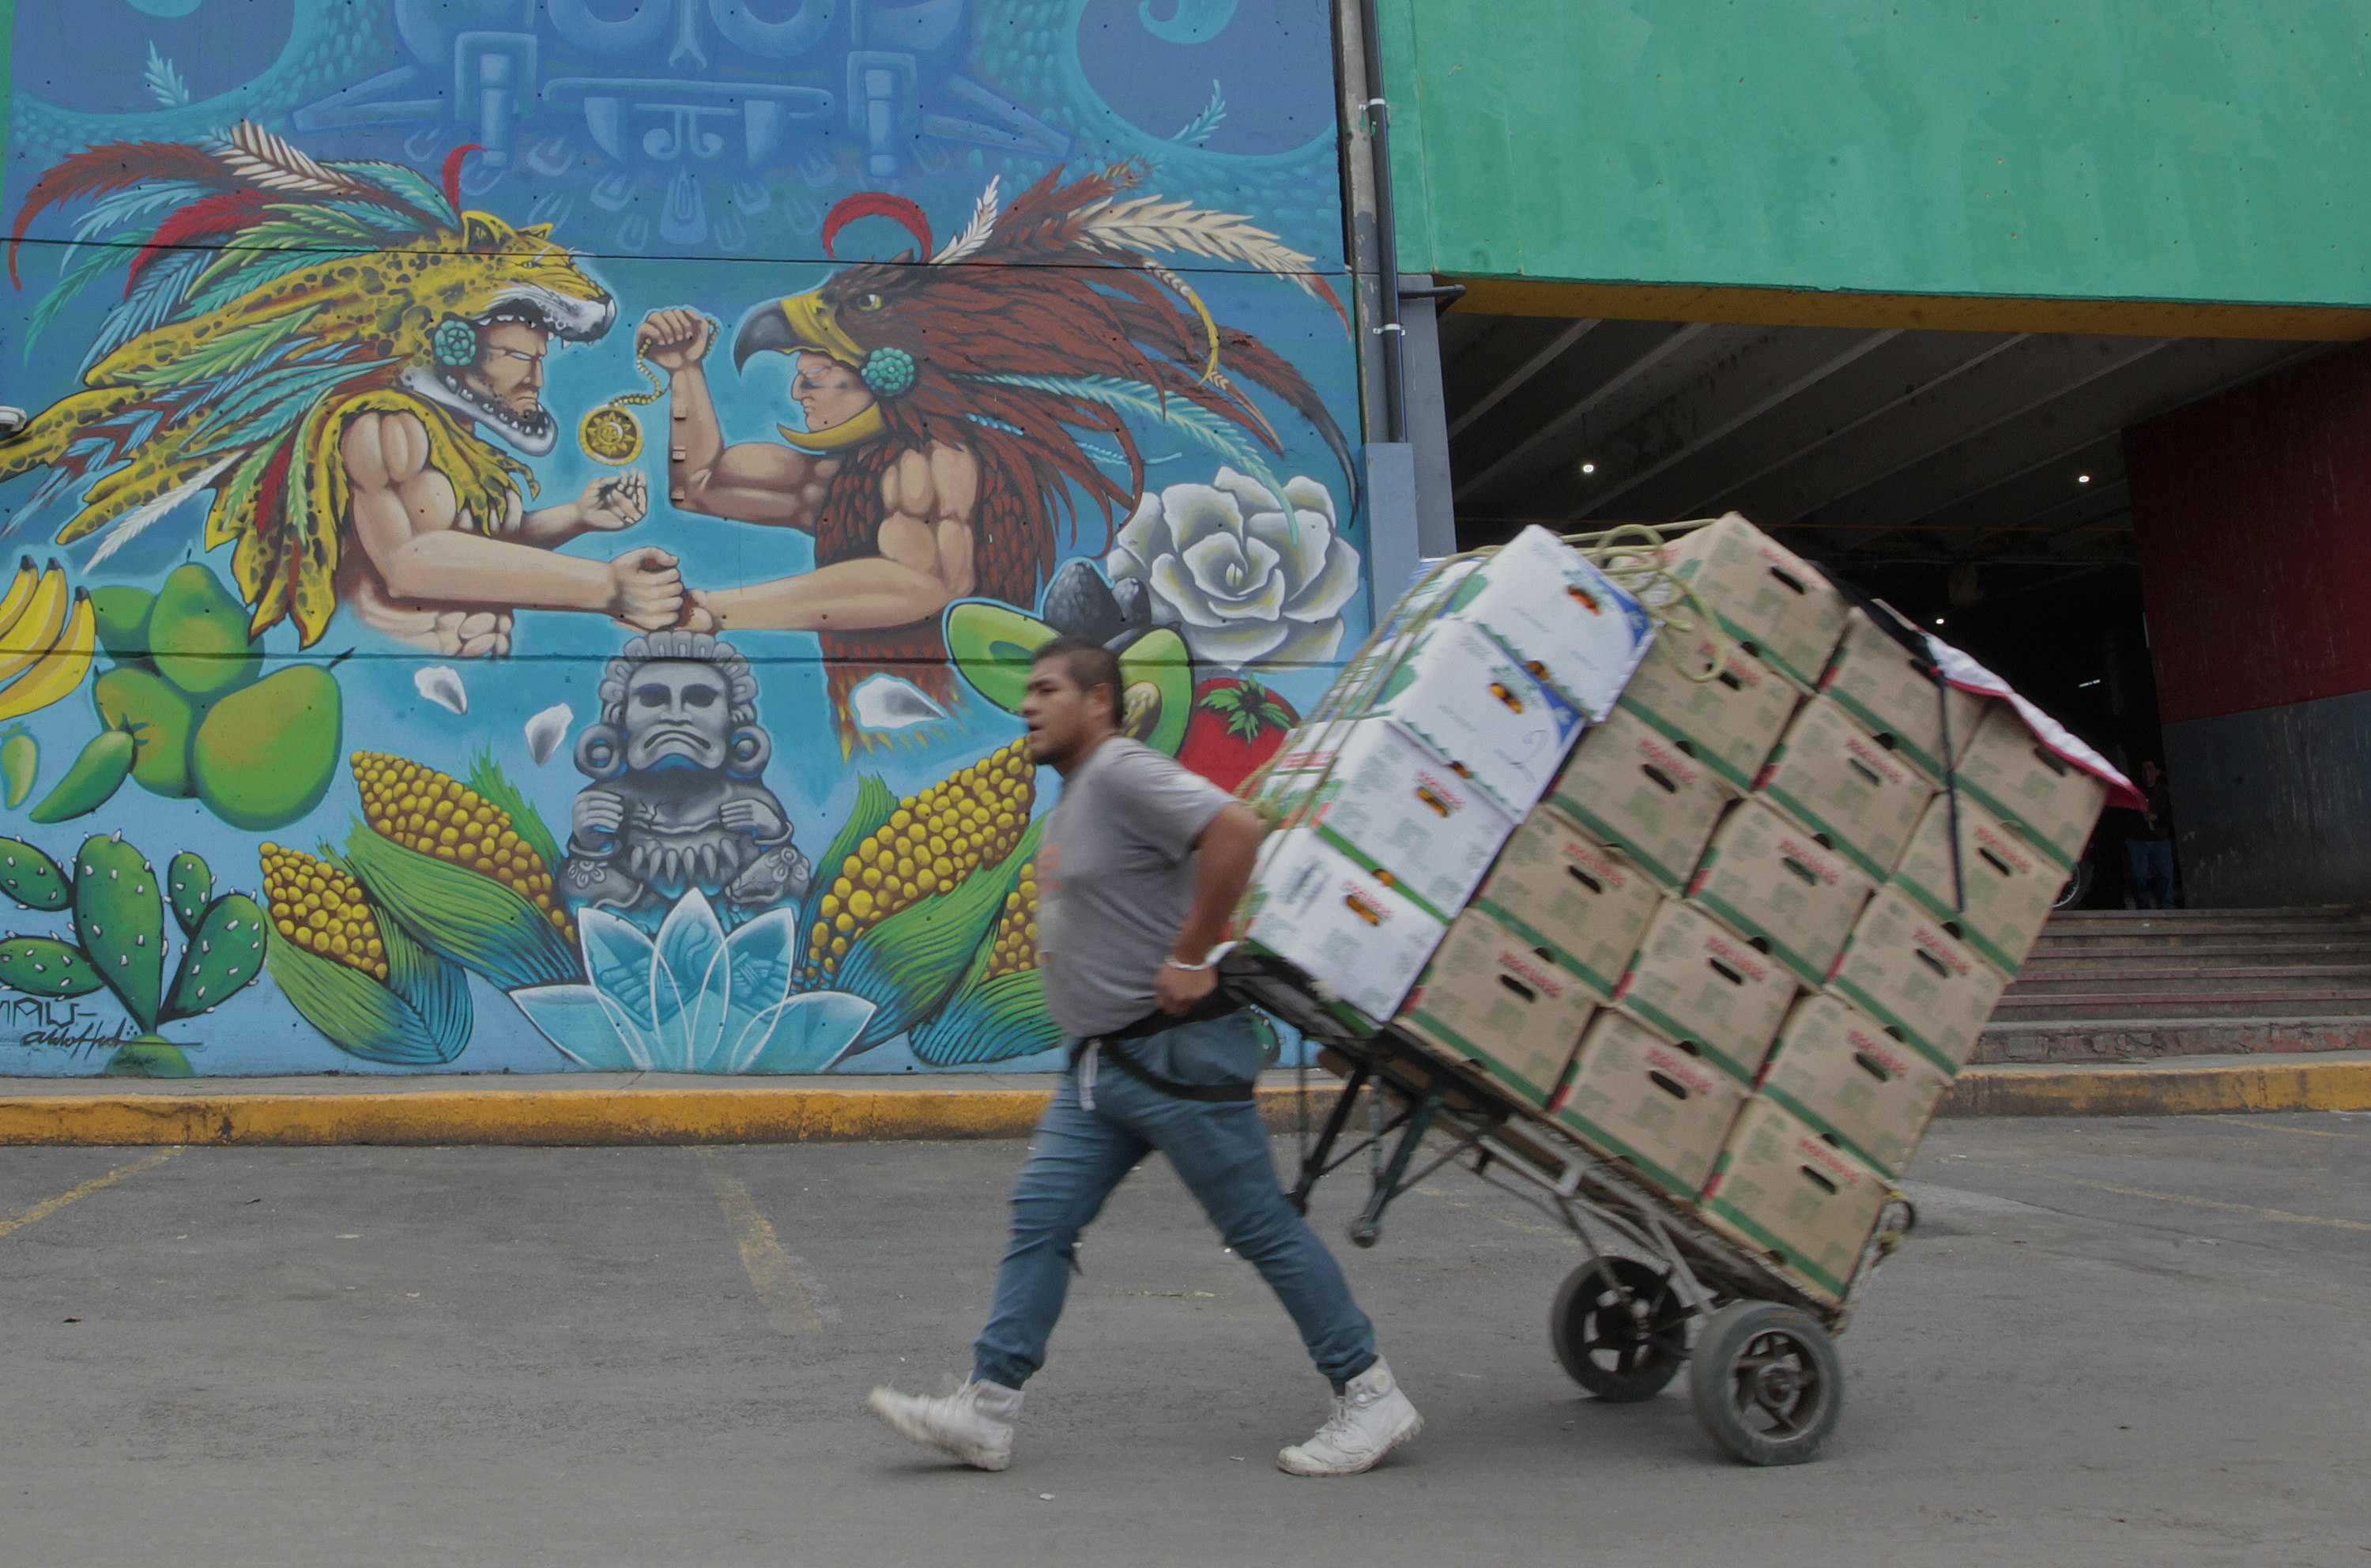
(1141, 865)
(2148, 842)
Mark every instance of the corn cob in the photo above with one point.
(322, 910)
(434, 813)
(1014, 948)
(929, 845)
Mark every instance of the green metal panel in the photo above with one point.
(2092, 149)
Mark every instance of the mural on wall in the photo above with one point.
(554, 499)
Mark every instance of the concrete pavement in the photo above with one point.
(2113, 1341)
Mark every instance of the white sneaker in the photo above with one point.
(1370, 1418)
(974, 1424)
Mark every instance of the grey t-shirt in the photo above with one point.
(1115, 881)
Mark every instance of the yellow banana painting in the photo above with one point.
(48, 634)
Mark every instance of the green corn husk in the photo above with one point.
(487, 777)
(910, 963)
(472, 920)
(985, 1019)
(874, 806)
(419, 1019)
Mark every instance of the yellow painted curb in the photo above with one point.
(547, 1117)
(2155, 1090)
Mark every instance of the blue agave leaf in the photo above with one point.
(617, 962)
(764, 957)
(574, 1020)
(691, 982)
(804, 1034)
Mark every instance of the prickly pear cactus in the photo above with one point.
(32, 877)
(119, 916)
(224, 953)
(44, 967)
(189, 884)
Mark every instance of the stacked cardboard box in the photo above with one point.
(1445, 736)
(1738, 938)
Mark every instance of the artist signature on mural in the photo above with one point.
(63, 1026)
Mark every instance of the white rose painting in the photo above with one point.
(1241, 582)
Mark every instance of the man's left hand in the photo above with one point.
(1176, 990)
(617, 502)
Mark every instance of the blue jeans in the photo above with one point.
(1222, 1153)
(2151, 863)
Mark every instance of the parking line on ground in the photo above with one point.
(48, 1206)
(795, 1302)
(2258, 1125)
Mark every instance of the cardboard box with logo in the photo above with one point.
(2017, 779)
(1642, 1097)
(1907, 971)
(1545, 601)
(1763, 595)
(1769, 877)
(1315, 905)
(1799, 1202)
(1458, 690)
(1891, 693)
(1698, 981)
(1647, 794)
(2008, 883)
(1556, 886)
(1732, 720)
(1845, 1073)
(1383, 792)
(1835, 778)
(1491, 997)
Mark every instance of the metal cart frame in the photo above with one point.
(1763, 1373)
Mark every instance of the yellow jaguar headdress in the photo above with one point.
(269, 296)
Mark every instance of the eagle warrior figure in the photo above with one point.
(326, 347)
(948, 397)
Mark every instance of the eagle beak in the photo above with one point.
(802, 324)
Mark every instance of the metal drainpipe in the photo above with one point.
(1387, 239)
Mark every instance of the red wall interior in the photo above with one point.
(2252, 514)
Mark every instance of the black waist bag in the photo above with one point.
(1216, 1005)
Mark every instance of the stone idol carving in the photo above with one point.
(677, 799)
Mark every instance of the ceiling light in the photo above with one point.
(1938, 621)
(2082, 479)
(1588, 468)
(2086, 686)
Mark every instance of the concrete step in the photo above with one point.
(2061, 933)
(2108, 959)
(2147, 1009)
(2275, 1040)
(2143, 984)
(2115, 917)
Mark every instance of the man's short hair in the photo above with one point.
(1090, 664)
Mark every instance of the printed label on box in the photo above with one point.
(1384, 794)
(1763, 593)
(1587, 901)
(1732, 720)
(1644, 792)
(1313, 904)
(1769, 878)
(2008, 885)
(1558, 613)
(1491, 997)
(1643, 1098)
(1893, 694)
(1698, 981)
(1801, 1203)
(1906, 969)
(1845, 1073)
(1835, 778)
(2019, 780)
(1456, 688)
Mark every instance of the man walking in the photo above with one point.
(1141, 864)
(2148, 842)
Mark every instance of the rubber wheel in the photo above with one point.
(1622, 1339)
(1766, 1382)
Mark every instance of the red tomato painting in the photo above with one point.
(1236, 725)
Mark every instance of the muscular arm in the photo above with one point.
(925, 562)
(759, 481)
(1229, 846)
(405, 517)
